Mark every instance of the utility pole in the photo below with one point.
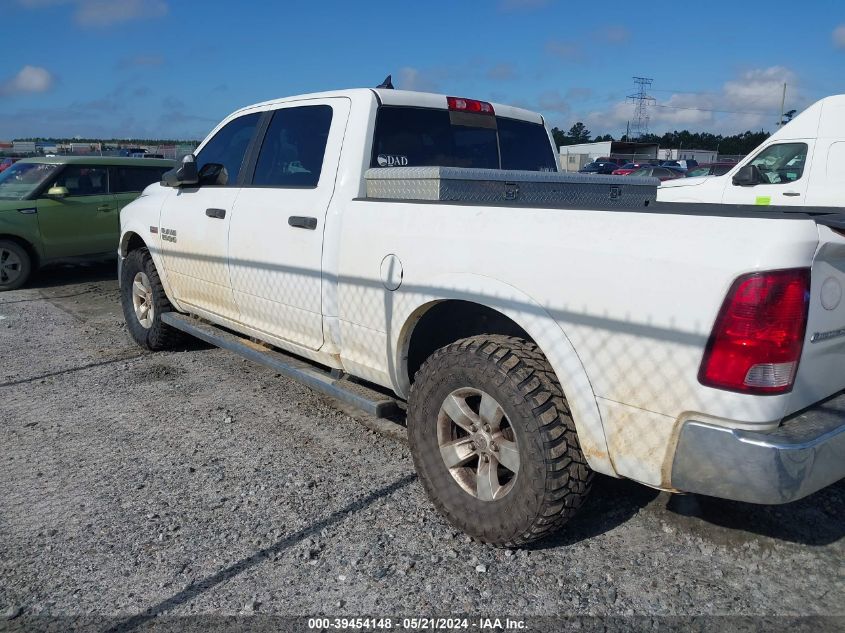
(782, 106)
(641, 100)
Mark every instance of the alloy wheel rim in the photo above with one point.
(477, 444)
(142, 300)
(10, 266)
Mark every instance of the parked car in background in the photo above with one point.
(598, 168)
(611, 159)
(687, 163)
(710, 169)
(7, 162)
(661, 172)
(628, 168)
(64, 208)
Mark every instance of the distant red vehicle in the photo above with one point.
(627, 168)
(5, 163)
(663, 173)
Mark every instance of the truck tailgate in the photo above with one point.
(821, 371)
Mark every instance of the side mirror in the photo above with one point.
(213, 174)
(184, 174)
(57, 192)
(748, 176)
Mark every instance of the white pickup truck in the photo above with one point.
(802, 164)
(534, 343)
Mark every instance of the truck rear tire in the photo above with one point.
(493, 441)
(15, 265)
(144, 301)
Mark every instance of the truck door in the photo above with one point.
(785, 171)
(194, 224)
(276, 236)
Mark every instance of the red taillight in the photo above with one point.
(469, 105)
(758, 336)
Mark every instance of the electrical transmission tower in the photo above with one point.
(641, 100)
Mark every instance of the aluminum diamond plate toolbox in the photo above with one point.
(459, 184)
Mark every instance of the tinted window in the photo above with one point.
(781, 163)
(413, 137)
(525, 145)
(229, 146)
(81, 180)
(293, 148)
(132, 179)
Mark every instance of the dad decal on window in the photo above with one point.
(390, 160)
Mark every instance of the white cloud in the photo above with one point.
(749, 101)
(414, 79)
(29, 79)
(839, 36)
(103, 13)
(759, 89)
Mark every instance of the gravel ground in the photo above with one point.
(135, 485)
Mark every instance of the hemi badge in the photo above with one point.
(826, 336)
(153, 229)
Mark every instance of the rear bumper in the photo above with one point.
(804, 454)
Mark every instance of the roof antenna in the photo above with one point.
(387, 83)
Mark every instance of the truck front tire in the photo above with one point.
(493, 441)
(15, 265)
(143, 300)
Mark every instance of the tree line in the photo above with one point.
(743, 143)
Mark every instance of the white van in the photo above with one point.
(802, 164)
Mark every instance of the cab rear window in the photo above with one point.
(418, 137)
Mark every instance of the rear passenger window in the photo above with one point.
(229, 146)
(134, 179)
(81, 180)
(293, 148)
(525, 145)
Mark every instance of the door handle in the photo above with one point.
(218, 214)
(303, 222)
(791, 194)
(106, 207)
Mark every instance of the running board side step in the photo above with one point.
(359, 396)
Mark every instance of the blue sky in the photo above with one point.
(173, 68)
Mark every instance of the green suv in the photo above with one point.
(66, 208)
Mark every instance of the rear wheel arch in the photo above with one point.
(432, 326)
(512, 315)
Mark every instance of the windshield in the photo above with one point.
(21, 179)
